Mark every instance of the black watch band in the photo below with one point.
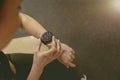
(46, 37)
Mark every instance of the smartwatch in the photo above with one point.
(46, 38)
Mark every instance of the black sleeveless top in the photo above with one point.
(5, 71)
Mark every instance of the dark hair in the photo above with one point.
(1, 4)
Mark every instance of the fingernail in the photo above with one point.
(58, 40)
(74, 65)
(67, 66)
(53, 37)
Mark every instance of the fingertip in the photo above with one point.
(53, 40)
(67, 66)
(58, 40)
(53, 37)
(49, 46)
(73, 65)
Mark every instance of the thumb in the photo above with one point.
(38, 47)
(51, 50)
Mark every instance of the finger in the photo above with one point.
(51, 51)
(61, 52)
(72, 51)
(70, 59)
(52, 43)
(56, 54)
(67, 66)
(38, 47)
(55, 45)
(52, 48)
(58, 49)
(71, 64)
(58, 46)
(73, 57)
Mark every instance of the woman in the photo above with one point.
(11, 20)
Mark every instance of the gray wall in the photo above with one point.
(91, 27)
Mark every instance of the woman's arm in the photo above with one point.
(31, 26)
(41, 59)
(35, 73)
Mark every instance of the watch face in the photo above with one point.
(47, 37)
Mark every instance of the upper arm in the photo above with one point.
(24, 19)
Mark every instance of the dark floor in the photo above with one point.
(91, 27)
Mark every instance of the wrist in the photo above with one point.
(41, 34)
(35, 72)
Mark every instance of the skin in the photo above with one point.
(11, 20)
(41, 59)
(33, 27)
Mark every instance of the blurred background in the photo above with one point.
(91, 27)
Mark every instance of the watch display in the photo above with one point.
(47, 37)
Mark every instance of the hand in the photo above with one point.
(41, 59)
(45, 57)
(67, 56)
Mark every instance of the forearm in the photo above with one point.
(31, 26)
(35, 73)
